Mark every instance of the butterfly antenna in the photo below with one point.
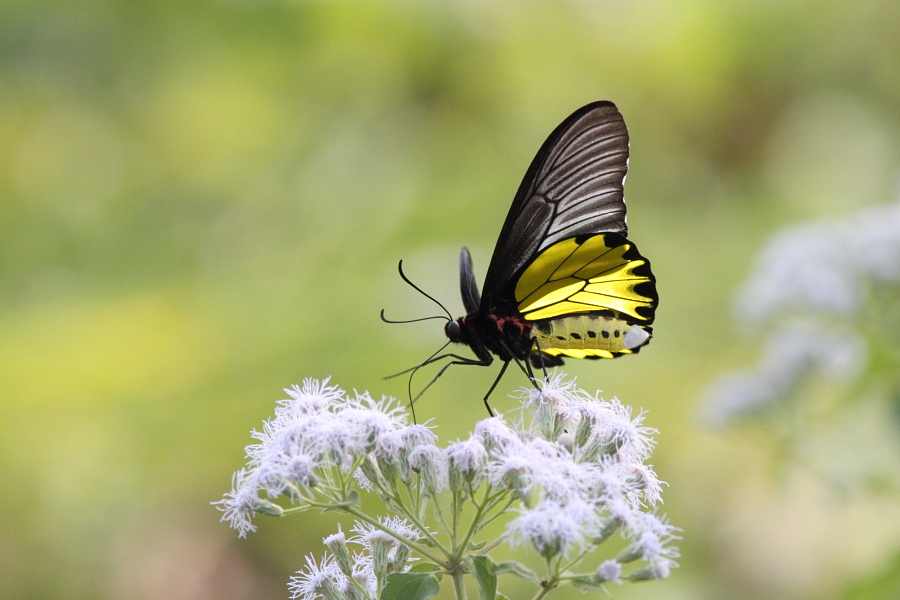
(386, 320)
(418, 289)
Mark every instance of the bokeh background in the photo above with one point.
(202, 203)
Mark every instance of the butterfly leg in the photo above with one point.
(460, 360)
(494, 385)
(536, 344)
(526, 367)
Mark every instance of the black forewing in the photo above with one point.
(574, 186)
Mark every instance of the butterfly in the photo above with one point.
(564, 280)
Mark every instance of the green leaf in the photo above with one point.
(478, 546)
(410, 586)
(482, 569)
(428, 568)
(350, 499)
(516, 568)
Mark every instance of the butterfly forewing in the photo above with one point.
(573, 187)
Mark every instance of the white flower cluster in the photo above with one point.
(793, 352)
(818, 274)
(341, 576)
(579, 468)
(576, 469)
(317, 429)
(823, 266)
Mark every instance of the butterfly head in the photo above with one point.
(456, 330)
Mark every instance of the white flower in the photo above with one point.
(615, 427)
(337, 543)
(394, 448)
(515, 472)
(417, 435)
(364, 572)
(363, 480)
(315, 397)
(391, 449)
(610, 570)
(401, 527)
(465, 461)
(662, 567)
(793, 352)
(652, 536)
(430, 463)
(301, 468)
(317, 580)
(552, 531)
(388, 555)
(317, 427)
(369, 535)
(553, 391)
(559, 476)
(615, 490)
(644, 479)
(373, 419)
(497, 436)
(237, 505)
(821, 266)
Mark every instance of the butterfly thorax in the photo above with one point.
(506, 337)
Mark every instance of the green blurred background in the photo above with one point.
(204, 202)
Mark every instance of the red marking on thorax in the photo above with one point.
(515, 322)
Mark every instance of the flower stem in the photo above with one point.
(459, 585)
(545, 588)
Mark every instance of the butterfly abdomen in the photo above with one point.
(589, 336)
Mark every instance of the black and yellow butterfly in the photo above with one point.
(564, 281)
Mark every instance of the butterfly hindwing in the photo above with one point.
(603, 274)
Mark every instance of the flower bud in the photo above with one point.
(401, 555)
(657, 570)
(631, 553)
(381, 545)
(609, 527)
(584, 430)
(337, 543)
(264, 507)
(329, 589)
(370, 470)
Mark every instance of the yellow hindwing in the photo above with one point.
(603, 272)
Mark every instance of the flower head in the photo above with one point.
(237, 505)
(465, 461)
(550, 529)
(317, 580)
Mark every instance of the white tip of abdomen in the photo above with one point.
(635, 337)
